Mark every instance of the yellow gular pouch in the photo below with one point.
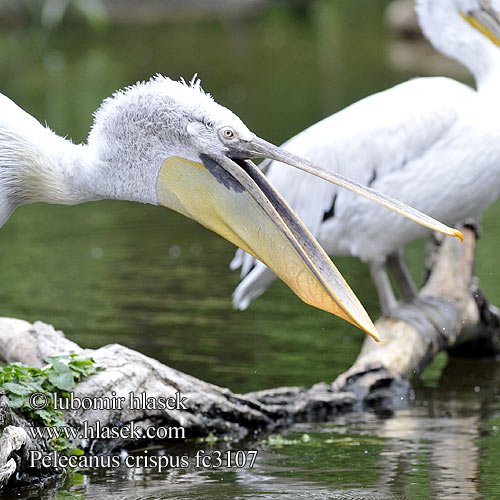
(481, 27)
(241, 213)
(188, 188)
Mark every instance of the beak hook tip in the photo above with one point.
(458, 234)
(372, 332)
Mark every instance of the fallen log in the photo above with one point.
(458, 315)
(459, 320)
(206, 408)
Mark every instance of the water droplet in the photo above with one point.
(196, 249)
(96, 253)
(174, 251)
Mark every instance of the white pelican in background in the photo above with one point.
(432, 142)
(168, 143)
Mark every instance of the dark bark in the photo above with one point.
(15, 449)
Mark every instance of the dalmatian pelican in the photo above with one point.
(169, 143)
(433, 143)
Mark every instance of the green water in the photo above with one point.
(159, 283)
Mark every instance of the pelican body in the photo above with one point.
(433, 143)
(169, 143)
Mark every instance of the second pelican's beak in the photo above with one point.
(486, 20)
(259, 148)
(234, 199)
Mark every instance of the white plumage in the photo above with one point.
(433, 143)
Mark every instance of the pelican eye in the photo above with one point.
(227, 133)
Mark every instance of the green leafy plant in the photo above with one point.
(60, 376)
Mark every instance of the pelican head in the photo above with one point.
(466, 30)
(169, 143)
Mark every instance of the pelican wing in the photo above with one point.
(371, 141)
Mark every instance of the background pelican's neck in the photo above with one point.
(453, 36)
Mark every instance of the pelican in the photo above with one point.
(434, 143)
(169, 143)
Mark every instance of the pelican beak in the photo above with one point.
(259, 148)
(234, 199)
(486, 20)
